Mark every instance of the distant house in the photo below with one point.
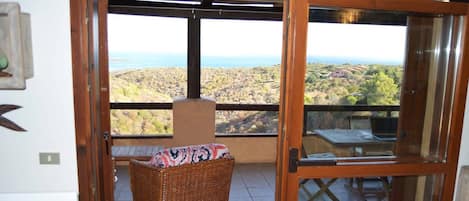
(339, 74)
(359, 68)
(324, 75)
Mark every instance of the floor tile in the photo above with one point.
(260, 191)
(240, 192)
(264, 198)
(253, 182)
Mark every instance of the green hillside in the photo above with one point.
(324, 84)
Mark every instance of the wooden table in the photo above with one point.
(125, 153)
(350, 136)
(350, 142)
(358, 142)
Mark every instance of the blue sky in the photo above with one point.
(253, 38)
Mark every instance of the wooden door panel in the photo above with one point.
(408, 160)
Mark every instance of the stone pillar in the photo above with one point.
(193, 121)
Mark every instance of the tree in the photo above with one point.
(380, 90)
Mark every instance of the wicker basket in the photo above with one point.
(203, 181)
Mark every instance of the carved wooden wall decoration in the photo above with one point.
(6, 122)
(16, 57)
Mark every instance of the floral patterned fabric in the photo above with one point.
(175, 156)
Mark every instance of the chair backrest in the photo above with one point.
(384, 126)
(359, 122)
(213, 180)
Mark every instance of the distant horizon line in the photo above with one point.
(132, 60)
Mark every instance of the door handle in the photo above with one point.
(293, 160)
(106, 138)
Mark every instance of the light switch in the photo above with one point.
(49, 158)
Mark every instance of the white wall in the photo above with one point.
(47, 113)
(464, 151)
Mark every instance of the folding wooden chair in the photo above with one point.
(323, 186)
(364, 122)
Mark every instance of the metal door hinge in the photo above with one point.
(402, 134)
(93, 190)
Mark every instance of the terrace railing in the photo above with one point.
(385, 109)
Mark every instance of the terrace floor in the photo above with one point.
(253, 182)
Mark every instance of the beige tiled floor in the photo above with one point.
(253, 182)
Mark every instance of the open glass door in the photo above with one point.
(371, 100)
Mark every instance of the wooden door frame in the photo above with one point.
(80, 63)
(292, 88)
(90, 148)
(91, 99)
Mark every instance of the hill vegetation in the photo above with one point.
(324, 84)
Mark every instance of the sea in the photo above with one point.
(125, 61)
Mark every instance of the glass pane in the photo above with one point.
(409, 188)
(241, 61)
(147, 58)
(246, 122)
(141, 122)
(383, 89)
(352, 82)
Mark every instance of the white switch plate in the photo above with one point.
(49, 158)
